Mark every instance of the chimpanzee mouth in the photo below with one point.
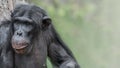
(20, 48)
(20, 51)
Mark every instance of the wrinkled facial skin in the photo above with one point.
(22, 37)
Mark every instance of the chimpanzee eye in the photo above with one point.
(27, 28)
(26, 23)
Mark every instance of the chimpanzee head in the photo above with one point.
(28, 23)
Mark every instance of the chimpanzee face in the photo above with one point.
(22, 37)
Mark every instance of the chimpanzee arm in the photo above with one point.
(60, 58)
(6, 52)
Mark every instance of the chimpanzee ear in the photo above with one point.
(46, 22)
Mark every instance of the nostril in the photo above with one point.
(19, 33)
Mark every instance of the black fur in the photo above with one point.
(44, 42)
(6, 52)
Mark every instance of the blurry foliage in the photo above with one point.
(90, 28)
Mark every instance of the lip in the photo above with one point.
(20, 49)
(19, 46)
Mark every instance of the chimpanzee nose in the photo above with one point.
(19, 33)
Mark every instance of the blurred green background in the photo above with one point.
(90, 28)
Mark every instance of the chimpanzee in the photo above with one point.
(6, 52)
(34, 38)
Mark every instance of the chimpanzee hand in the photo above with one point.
(69, 64)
